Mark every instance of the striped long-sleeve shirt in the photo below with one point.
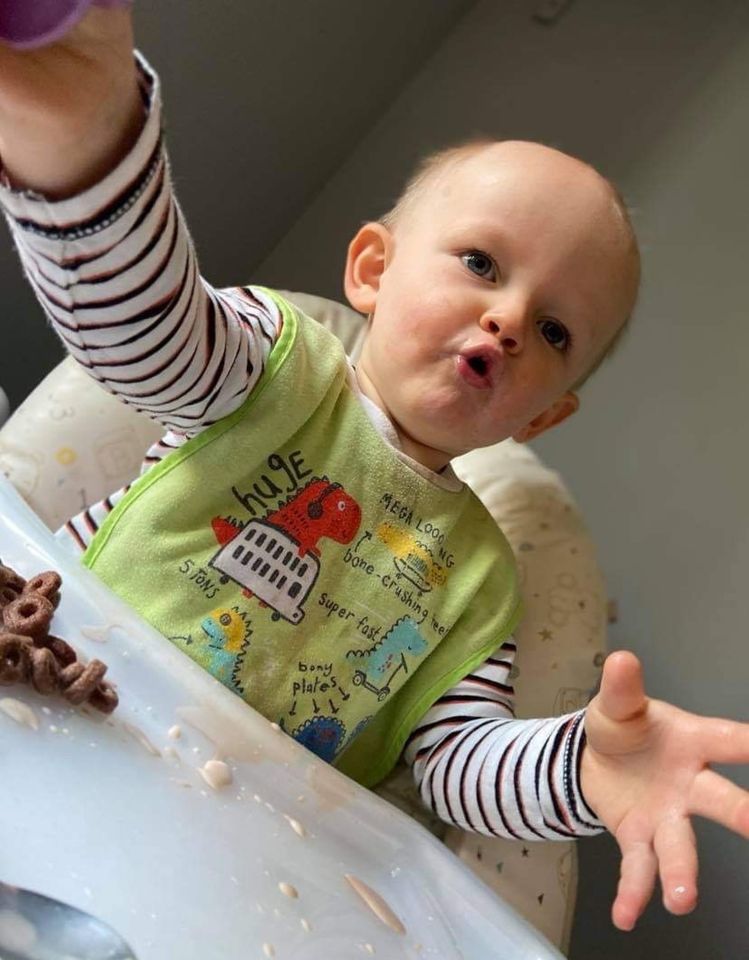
(116, 274)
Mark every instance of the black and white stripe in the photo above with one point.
(480, 768)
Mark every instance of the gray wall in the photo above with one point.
(659, 459)
(657, 96)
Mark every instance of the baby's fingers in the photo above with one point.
(723, 741)
(676, 848)
(636, 882)
(716, 798)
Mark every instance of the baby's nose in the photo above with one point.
(507, 328)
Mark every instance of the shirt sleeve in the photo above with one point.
(115, 271)
(479, 768)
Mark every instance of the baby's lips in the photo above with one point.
(473, 375)
(480, 364)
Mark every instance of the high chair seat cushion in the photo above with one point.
(70, 444)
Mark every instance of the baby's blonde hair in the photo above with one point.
(433, 164)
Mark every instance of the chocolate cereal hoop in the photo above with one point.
(47, 584)
(61, 650)
(14, 659)
(9, 578)
(30, 615)
(7, 595)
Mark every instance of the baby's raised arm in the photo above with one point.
(71, 110)
(102, 239)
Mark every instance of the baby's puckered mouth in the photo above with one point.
(479, 365)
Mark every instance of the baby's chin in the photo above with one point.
(421, 444)
(434, 444)
(438, 425)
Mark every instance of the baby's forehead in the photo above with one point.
(510, 182)
(518, 168)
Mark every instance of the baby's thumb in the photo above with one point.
(622, 693)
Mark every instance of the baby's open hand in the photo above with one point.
(645, 772)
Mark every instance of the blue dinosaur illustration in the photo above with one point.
(382, 661)
(322, 735)
(224, 631)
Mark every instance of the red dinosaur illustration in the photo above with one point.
(320, 509)
(267, 557)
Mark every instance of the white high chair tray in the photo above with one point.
(113, 815)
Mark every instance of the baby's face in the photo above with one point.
(499, 290)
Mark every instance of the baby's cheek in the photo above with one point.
(443, 307)
(425, 331)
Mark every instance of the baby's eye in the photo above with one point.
(555, 334)
(480, 263)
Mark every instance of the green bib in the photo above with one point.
(292, 553)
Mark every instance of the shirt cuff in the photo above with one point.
(586, 819)
(100, 205)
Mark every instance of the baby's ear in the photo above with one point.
(562, 408)
(368, 256)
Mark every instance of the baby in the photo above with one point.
(298, 530)
(503, 276)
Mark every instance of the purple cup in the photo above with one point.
(25, 24)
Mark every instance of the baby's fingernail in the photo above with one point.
(679, 891)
